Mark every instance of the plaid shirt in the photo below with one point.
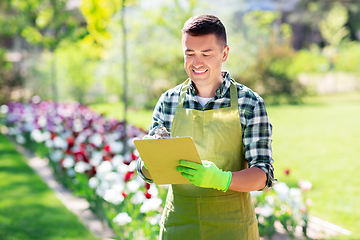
(255, 123)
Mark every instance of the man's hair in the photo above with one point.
(206, 24)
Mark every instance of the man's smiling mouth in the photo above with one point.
(199, 72)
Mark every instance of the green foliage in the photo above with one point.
(262, 58)
(77, 63)
(348, 58)
(308, 61)
(332, 27)
(8, 77)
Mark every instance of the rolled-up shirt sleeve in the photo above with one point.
(257, 138)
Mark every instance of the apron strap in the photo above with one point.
(233, 94)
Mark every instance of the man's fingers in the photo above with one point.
(189, 177)
(186, 170)
(189, 164)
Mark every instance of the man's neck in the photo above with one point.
(208, 91)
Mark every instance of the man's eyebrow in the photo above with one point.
(206, 50)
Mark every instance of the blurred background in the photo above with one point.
(75, 50)
(119, 56)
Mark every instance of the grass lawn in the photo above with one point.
(28, 208)
(318, 141)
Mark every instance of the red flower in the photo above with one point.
(70, 140)
(147, 195)
(124, 194)
(133, 156)
(287, 171)
(147, 185)
(107, 148)
(128, 176)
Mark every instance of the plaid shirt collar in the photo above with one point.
(220, 92)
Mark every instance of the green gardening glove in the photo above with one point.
(206, 175)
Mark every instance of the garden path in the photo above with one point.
(317, 228)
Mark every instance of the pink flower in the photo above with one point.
(308, 202)
(303, 209)
(287, 171)
(305, 185)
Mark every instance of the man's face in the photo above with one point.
(203, 57)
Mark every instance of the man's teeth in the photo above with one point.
(199, 71)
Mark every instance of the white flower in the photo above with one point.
(295, 197)
(155, 219)
(113, 196)
(270, 199)
(42, 121)
(133, 185)
(282, 190)
(113, 177)
(150, 204)
(37, 135)
(36, 99)
(153, 190)
(4, 109)
(122, 219)
(116, 147)
(28, 125)
(60, 143)
(102, 188)
(80, 138)
(46, 135)
(59, 129)
(123, 168)
(93, 182)
(11, 131)
(20, 139)
(96, 158)
(56, 155)
(68, 162)
(96, 139)
(117, 160)
(132, 166)
(77, 125)
(49, 143)
(82, 167)
(119, 187)
(138, 197)
(266, 210)
(104, 167)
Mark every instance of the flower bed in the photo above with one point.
(96, 158)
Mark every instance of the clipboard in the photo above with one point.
(161, 157)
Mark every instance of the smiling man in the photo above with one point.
(232, 132)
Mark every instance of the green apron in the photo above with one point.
(192, 212)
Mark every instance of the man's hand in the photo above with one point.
(206, 175)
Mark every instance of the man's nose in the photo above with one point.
(198, 62)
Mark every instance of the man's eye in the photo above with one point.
(206, 55)
(189, 54)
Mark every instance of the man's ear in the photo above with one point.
(225, 53)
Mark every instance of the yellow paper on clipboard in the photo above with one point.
(161, 157)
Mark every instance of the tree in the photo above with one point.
(101, 17)
(44, 23)
(309, 13)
